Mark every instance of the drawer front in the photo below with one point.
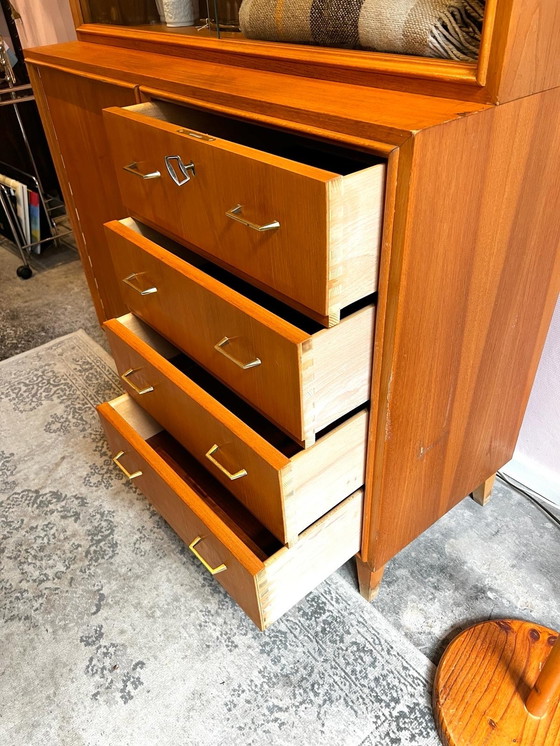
(176, 502)
(197, 313)
(286, 493)
(264, 589)
(243, 461)
(306, 234)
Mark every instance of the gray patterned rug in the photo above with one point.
(110, 633)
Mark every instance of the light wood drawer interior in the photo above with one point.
(299, 375)
(285, 487)
(265, 578)
(325, 201)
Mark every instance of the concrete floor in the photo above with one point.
(53, 302)
(474, 564)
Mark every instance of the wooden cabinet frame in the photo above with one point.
(520, 44)
(470, 268)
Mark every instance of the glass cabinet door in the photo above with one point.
(209, 17)
(445, 29)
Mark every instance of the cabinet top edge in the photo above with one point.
(382, 117)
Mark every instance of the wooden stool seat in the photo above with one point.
(485, 679)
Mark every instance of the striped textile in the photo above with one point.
(430, 28)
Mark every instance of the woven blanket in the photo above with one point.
(430, 28)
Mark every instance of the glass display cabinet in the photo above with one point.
(457, 52)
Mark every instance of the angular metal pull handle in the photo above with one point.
(184, 169)
(128, 474)
(235, 214)
(229, 475)
(244, 366)
(211, 570)
(133, 386)
(128, 281)
(132, 168)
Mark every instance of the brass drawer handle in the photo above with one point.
(133, 386)
(132, 168)
(211, 570)
(184, 169)
(128, 474)
(244, 366)
(235, 214)
(229, 475)
(128, 281)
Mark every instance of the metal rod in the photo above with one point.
(52, 224)
(16, 88)
(11, 91)
(44, 240)
(20, 100)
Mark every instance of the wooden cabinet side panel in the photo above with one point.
(50, 134)
(525, 49)
(472, 285)
(71, 106)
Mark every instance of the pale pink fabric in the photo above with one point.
(44, 22)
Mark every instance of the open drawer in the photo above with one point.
(265, 578)
(299, 219)
(301, 376)
(286, 488)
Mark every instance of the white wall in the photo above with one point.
(536, 461)
(44, 22)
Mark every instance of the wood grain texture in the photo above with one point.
(383, 70)
(354, 224)
(42, 101)
(285, 494)
(525, 49)
(376, 115)
(196, 311)
(545, 694)
(291, 573)
(264, 591)
(482, 683)
(487, 41)
(71, 108)
(320, 476)
(337, 218)
(339, 378)
(183, 509)
(369, 581)
(80, 11)
(518, 55)
(482, 493)
(466, 301)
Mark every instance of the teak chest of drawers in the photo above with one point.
(326, 299)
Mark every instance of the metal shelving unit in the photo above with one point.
(14, 96)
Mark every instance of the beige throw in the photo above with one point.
(431, 28)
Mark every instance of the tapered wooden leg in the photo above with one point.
(369, 581)
(482, 493)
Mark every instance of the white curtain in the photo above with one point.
(44, 22)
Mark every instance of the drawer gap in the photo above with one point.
(316, 153)
(235, 404)
(252, 533)
(245, 412)
(275, 306)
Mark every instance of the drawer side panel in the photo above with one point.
(161, 486)
(292, 573)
